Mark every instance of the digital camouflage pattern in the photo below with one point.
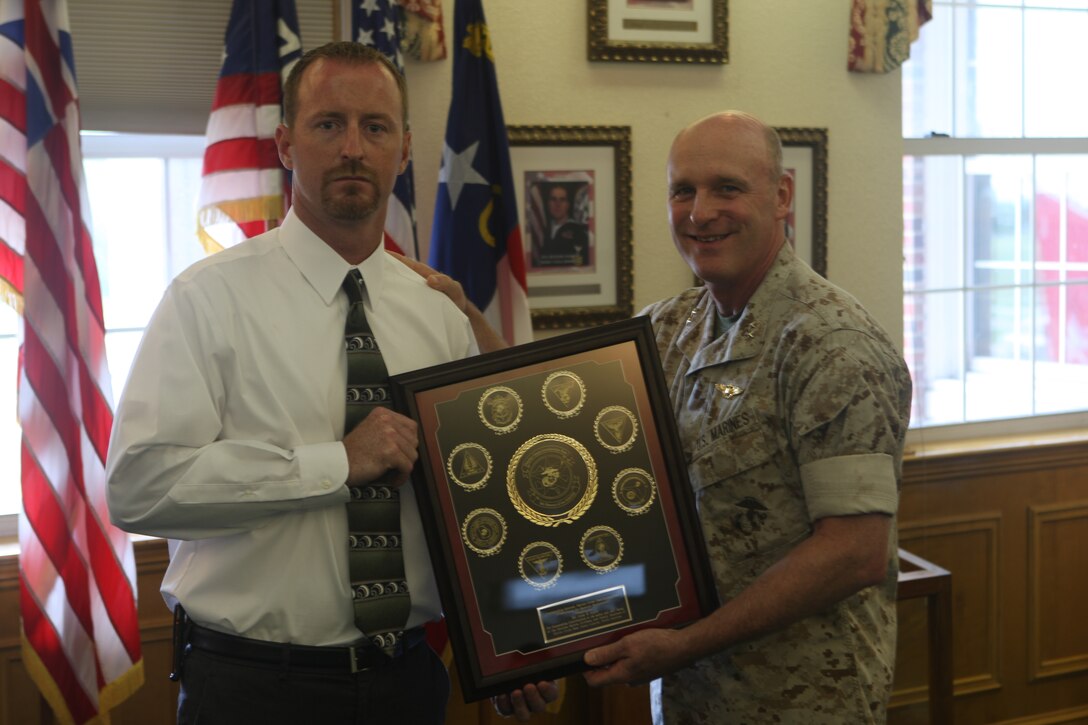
(803, 379)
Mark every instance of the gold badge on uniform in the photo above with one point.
(728, 391)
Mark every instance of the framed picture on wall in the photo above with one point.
(573, 186)
(804, 156)
(678, 31)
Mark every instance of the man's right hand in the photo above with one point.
(385, 442)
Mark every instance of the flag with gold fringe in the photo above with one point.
(244, 189)
(77, 573)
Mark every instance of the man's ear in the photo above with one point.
(283, 146)
(784, 195)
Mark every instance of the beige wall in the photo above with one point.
(787, 64)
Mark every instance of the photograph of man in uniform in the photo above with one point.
(562, 237)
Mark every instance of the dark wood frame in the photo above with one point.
(676, 582)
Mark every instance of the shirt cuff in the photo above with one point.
(847, 485)
(325, 463)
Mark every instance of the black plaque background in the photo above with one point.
(495, 578)
(491, 612)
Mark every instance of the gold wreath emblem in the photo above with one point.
(551, 479)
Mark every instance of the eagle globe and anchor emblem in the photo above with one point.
(551, 479)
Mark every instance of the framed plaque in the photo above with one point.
(555, 498)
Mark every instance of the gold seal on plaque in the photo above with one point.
(469, 466)
(616, 428)
(564, 393)
(602, 548)
(551, 479)
(634, 491)
(484, 531)
(540, 564)
(500, 408)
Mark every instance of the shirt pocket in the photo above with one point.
(748, 508)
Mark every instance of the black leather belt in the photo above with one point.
(342, 659)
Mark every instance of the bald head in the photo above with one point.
(727, 127)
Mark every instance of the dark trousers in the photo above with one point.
(219, 690)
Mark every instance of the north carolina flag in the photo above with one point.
(476, 238)
(244, 190)
(77, 573)
(378, 23)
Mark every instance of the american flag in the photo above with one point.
(378, 23)
(476, 238)
(244, 190)
(80, 635)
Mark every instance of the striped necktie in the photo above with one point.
(375, 559)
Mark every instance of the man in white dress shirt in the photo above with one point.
(229, 438)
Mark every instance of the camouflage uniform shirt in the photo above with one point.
(797, 412)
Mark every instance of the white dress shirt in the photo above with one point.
(227, 436)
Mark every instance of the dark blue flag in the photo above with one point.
(476, 238)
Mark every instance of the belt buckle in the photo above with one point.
(353, 654)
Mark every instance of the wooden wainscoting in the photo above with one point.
(1009, 522)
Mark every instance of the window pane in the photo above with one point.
(937, 198)
(936, 365)
(1061, 382)
(989, 75)
(1055, 66)
(183, 179)
(1000, 360)
(999, 213)
(927, 83)
(1061, 200)
(127, 198)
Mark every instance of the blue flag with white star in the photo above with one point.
(476, 237)
(379, 23)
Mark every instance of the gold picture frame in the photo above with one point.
(659, 31)
(804, 154)
(579, 266)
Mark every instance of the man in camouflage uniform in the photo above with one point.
(792, 405)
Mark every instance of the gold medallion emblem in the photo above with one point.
(602, 548)
(616, 428)
(500, 409)
(540, 564)
(551, 479)
(634, 491)
(469, 466)
(564, 393)
(484, 531)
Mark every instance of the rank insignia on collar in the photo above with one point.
(728, 391)
(751, 329)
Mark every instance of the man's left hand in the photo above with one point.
(638, 658)
(521, 704)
